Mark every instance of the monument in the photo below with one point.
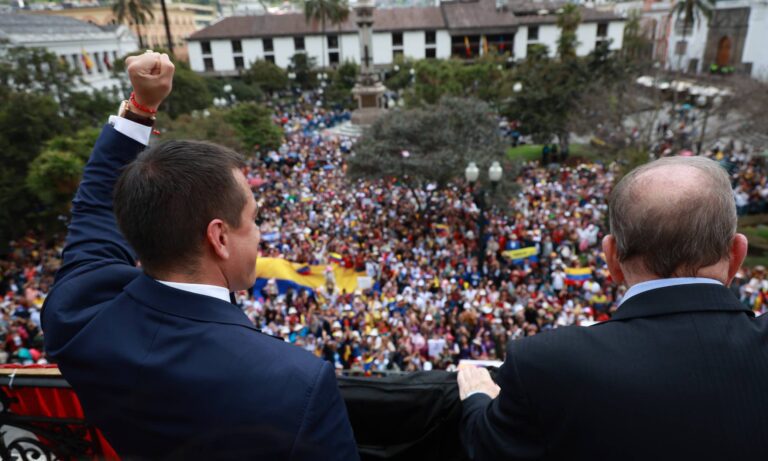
(369, 91)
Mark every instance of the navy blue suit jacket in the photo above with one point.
(168, 373)
(678, 373)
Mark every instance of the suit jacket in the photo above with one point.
(678, 373)
(168, 373)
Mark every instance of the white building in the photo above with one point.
(89, 48)
(735, 37)
(463, 29)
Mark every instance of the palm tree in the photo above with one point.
(691, 11)
(339, 15)
(333, 11)
(136, 11)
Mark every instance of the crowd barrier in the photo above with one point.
(395, 416)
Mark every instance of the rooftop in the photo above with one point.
(458, 17)
(29, 28)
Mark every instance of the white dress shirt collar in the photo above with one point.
(198, 288)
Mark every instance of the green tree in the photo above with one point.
(568, 21)
(208, 125)
(267, 76)
(434, 79)
(691, 12)
(254, 127)
(136, 12)
(440, 141)
(54, 176)
(303, 67)
(342, 81)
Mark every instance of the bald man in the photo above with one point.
(681, 370)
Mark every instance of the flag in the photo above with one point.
(577, 275)
(530, 253)
(442, 230)
(271, 236)
(334, 258)
(501, 43)
(288, 275)
(467, 47)
(87, 61)
(106, 61)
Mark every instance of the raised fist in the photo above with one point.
(151, 75)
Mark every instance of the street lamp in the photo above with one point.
(703, 102)
(517, 87)
(472, 174)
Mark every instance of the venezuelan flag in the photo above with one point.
(577, 275)
(441, 229)
(530, 253)
(300, 276)
(334, 258)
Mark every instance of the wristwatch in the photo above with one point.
(126, 113)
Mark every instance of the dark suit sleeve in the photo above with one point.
(93, 235)
(325, 432)
(505, 427)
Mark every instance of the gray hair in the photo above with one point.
(678, 234)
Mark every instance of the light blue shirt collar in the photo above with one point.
(642, 287)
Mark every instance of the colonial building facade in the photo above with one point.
(463, 29)
(89, 48)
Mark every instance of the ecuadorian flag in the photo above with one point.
(577, 275)
(300, 276)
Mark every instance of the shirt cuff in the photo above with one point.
(136, 131)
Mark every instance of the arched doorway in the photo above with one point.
(724, 52)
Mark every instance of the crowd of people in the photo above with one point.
(446, 288)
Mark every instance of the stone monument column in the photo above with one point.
(368, 90)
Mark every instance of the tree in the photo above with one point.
(254, 126)
(568, 21)
(691, 12)
(342, 81)
(440, 141)
(267, 76)
(302, 66)
(434, 79)
(322, 11)
(54, 176)
(136, 11)
(209, 125)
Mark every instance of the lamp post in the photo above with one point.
(703, 102)
(472, 174)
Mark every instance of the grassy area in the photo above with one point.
(528, 152)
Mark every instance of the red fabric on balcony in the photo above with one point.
(53, 402)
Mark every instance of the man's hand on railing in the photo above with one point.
(151, 75)
(473, 380)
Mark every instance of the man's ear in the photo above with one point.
(736, 255)
(612, 258)
(217, 237)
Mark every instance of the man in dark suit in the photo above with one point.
(162, 362)
(681, 369)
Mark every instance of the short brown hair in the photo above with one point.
(678, 237)
(165, 199)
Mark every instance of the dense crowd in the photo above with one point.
(443, 288)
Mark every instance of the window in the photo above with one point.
(270, 58)
(206, 46)
(396, 53)
(430, 37)
(298, 43)
(333, 42)
(333, 57)
(237, 46)
(397, 39)
(208, 63)
(533, 33)
(431, 53)
(602, 29)
(239, 63)
(75, 61)
(268, 45)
